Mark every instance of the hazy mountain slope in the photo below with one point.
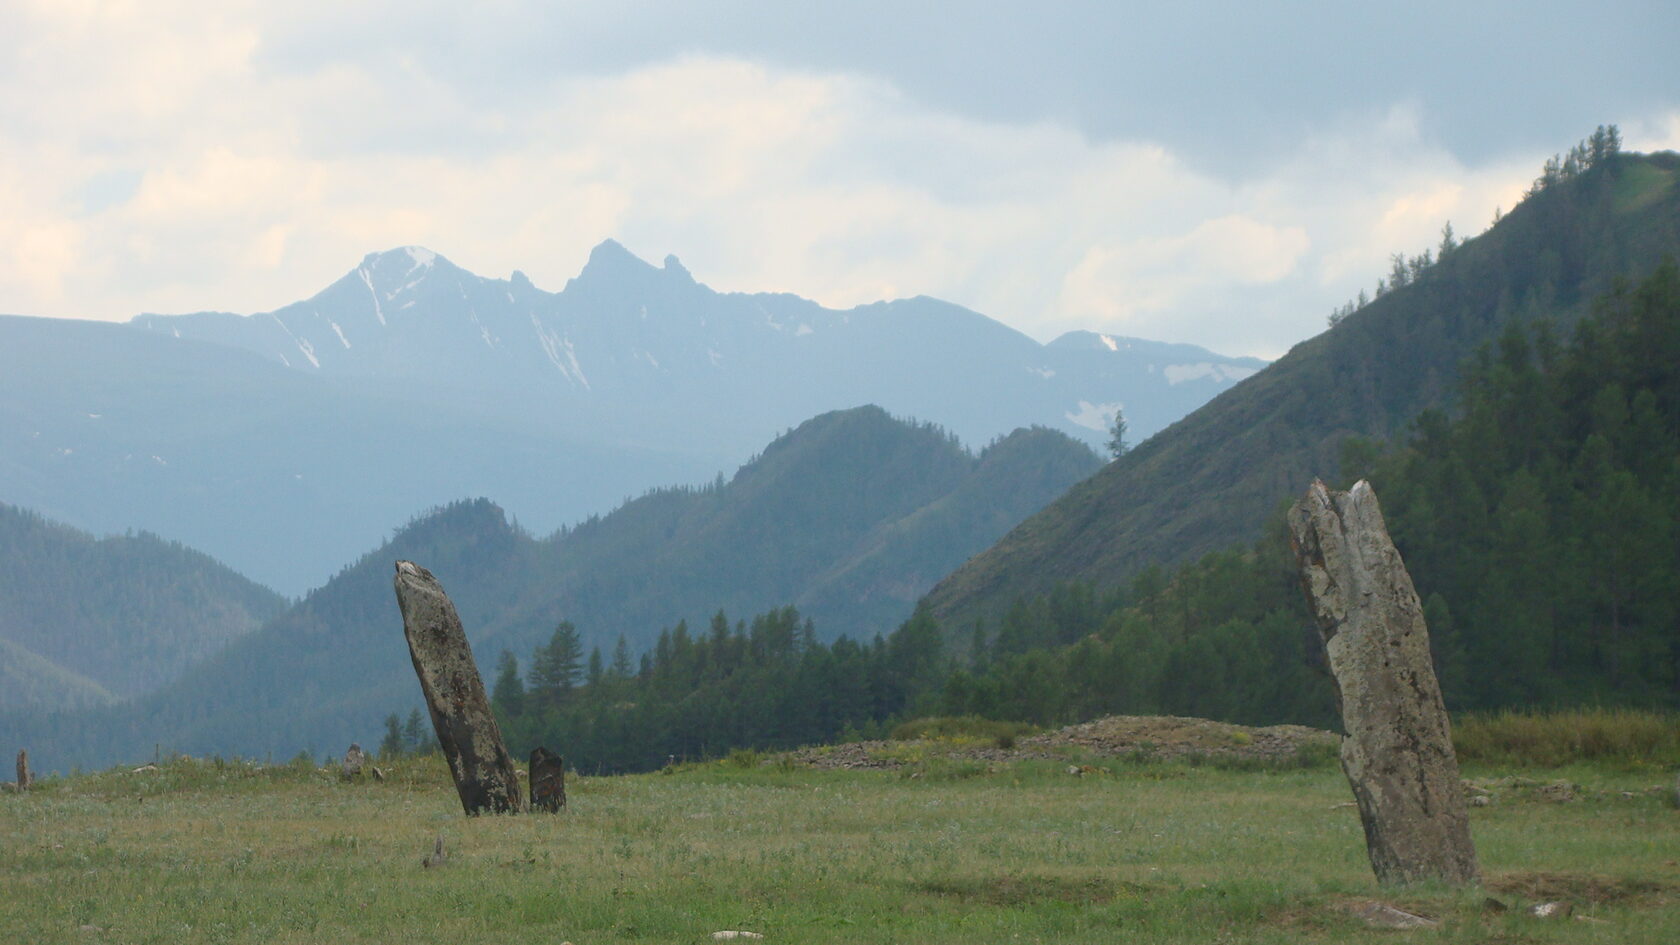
(31, 682)
(891, 567)
(1210, 479)
(854, 513)
(280, 474)
(122, 614)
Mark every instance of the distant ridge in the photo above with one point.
(1211, 479)
(84, 621)
(851, 516)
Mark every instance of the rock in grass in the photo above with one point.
(466, 728)
(436, 857)
(1380, 915)
(734, 933)
(351, 768)
(1560, 909)
(548, 780)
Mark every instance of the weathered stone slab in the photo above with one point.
(1397, 752)
(354, 759)
(466, 728)
(548, 780)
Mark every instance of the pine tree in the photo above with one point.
(392, 745)
(621, 665)
(554, 667)
(415, 738)
(1117, 445)
(508, 694)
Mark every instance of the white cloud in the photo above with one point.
(161, 159)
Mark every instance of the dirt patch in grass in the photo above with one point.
(1172, 737)
(1133, 737)
(1016, 889)
(1593, 888)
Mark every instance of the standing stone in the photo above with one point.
(24, 778)
(466, 729)
(354, 759)
(548, 780)
(1397, 752)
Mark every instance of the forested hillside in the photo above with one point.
(113, 617)
(853, 515)
(1540, 526)
(1211, 479)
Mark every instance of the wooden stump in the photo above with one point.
(466, 729)
(1397, 752)
(24, 778)
(548, 780)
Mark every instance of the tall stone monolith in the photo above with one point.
(466, 729)
(24, 777)
(1397, 752)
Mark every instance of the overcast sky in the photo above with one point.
(1219, 173)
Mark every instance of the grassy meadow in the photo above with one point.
(937, 851)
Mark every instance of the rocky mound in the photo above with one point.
(1140, 737)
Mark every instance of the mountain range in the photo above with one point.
(288, 442)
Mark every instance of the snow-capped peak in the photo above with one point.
(421, 256)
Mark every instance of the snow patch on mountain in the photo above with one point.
(482, 331)
(302, 343)
(367, 280)
(1093, 416)
(554, 345)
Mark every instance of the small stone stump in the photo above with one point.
(354, 760)
(1397, 752)
(548, 781)
(466, 729)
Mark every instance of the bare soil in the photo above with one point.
(1156, 737)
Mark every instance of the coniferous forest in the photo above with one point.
(1538, 520)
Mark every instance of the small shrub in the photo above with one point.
(744, 758)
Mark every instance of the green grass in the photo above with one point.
(1009, 852)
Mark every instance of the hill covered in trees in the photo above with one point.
(1211, 479)
(852, 516)
(1539, 525)
(85, 621)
